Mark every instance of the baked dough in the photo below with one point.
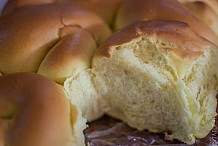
(35, 111)
(205, 10)
(51, 39)
(132, 11)
(154, 75)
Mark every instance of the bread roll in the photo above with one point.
(51, 39)
(132, 11)
(207, 10)
(36, 112)
(155, 75)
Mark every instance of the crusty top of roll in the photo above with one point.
(29, 36)
(106, 10)
(132, 11)
(206, 10)
(11, 5)
(188, 45)
(34, 112)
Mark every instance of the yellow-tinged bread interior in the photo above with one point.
(148, 93)
(155, 75)
(83, 93)
(78, 123)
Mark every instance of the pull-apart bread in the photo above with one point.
(158, 75)
(36, 112)
(155, 75)
(51, 39)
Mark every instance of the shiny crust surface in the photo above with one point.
(34, 111)
(28, 35)
(106, 10)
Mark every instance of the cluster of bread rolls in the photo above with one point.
(51, 39)
(150, 63)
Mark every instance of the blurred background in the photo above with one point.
(2, 4)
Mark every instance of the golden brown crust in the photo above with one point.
(205, 10)
(34, 111)
(106, 10)
(12, 5)
(212, 4)
(132, 11)
(188, 45)
(31, 32)
(69, 54)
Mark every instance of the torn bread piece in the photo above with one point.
(154, 75)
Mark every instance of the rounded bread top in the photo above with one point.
(29, 35)
(205, 10)
(183, 41)
(131, 11)
(34, 112)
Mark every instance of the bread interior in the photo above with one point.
(151, 88)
